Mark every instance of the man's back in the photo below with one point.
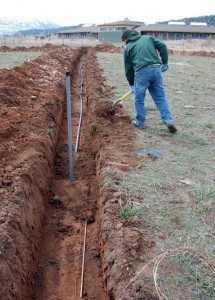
(142, 52)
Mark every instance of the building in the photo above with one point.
(80, 32)
(178, 32)
(111, 32)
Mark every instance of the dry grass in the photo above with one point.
(177, 190)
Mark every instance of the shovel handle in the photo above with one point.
(124, 96)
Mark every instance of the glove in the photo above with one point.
(164, 67)
(132, 89)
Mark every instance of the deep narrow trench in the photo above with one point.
(69, 209)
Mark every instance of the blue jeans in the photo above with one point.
(151, 79)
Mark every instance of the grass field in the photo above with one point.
(10, 60)
(175, 193)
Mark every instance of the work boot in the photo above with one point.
(134, 123)
(171, 128)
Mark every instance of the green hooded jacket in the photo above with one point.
(141, 51)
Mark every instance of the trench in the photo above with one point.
(71, 210)
(43, 217)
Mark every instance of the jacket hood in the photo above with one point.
(133, 38)
(128, 34)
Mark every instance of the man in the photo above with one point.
(143, 70)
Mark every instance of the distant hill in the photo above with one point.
(34, 27)
(11, 27)
(210, 20)
(46, 31)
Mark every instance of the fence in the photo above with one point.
(29, 41)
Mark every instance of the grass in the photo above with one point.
(176, 193)
(130, 210)
(11, 59)
(188, 113)
(199, 273)
(190, 268)
(205, 192)
(112, 176)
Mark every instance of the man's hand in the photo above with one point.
(132, 89)
(164, 67)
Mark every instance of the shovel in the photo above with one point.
(120, 99)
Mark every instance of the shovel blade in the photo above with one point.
(120, 99)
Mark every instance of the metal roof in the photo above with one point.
(177, 28)
(122, 23)
(85, 29)
(144, 28)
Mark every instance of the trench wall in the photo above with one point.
(28, 164)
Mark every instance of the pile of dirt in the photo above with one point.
(108, 47)
(46, 47)
(192, 53)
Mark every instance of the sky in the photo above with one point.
(74, 12)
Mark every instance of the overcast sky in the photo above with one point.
(74, 12)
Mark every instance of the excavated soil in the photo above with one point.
(43, 217)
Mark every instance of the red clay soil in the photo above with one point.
(32, 103)
(43, 216)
